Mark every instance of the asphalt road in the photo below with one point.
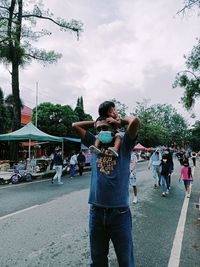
(46, 225)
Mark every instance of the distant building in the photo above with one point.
(26, 115)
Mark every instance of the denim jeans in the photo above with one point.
(113, 224)
(58, 174)
(72, 170)
(156, 174)
(165, 183)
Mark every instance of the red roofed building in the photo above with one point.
(26, 115)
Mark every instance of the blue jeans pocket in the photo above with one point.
(122, 210)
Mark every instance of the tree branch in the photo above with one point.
(187, 6)
(52, 20)
(183, 71)
(3, 7)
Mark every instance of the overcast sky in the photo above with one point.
(129, 50)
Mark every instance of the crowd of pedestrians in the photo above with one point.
(162, 167)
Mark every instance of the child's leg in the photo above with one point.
(185, 184)
(95, 147)
(97, 142)
(188, 188)
(117, 142)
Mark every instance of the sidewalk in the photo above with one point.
(190, 254)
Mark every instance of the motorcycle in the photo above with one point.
(18, 177)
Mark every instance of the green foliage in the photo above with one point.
(189, 79)
(55, 119)
(121, 108)
(194, 136)
(79, 111)
(160, 124)
(5, 115)
(17, 20)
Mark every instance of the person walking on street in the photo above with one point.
(110, 217)
(58, 163)
(186, 176)
(73, 162)
(194, 156)
(133, 176)
(171, 163)
(81, 162)
(165, 171)
(155, 162)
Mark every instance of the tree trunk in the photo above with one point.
(16, 124)
(15, 93)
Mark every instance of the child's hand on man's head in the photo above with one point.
(110, 120)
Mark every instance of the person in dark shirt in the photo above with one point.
(58, 163)
(165, 170)
(171, 163)
(81, 162)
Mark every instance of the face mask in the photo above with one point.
(105, 137)
(164, 160)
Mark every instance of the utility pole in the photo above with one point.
(36, 111)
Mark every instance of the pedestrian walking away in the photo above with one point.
(186, 176)
(194, 156)
(165, 171)
(110, 217)
(73, 162)
(58, 163)
(154, 163)
(171, 167)
(133, 176)
(81, 162)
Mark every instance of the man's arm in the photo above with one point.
(133, 125)
(80, 127)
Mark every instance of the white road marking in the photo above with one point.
(17, 212)
(174, 259)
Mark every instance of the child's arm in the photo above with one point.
(117, 122)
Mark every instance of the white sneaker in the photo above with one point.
(135, 200)
(167, 192)
(113, 151)
(95, 149)
(60, 183)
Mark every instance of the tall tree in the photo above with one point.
(3, 114)
(194, 136)
(79, 110)
(189, 79)
(55, 119)
(17, 19)
(160, 124)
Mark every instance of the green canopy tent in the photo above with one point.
(30, 132)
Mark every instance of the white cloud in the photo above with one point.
(129, 50)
